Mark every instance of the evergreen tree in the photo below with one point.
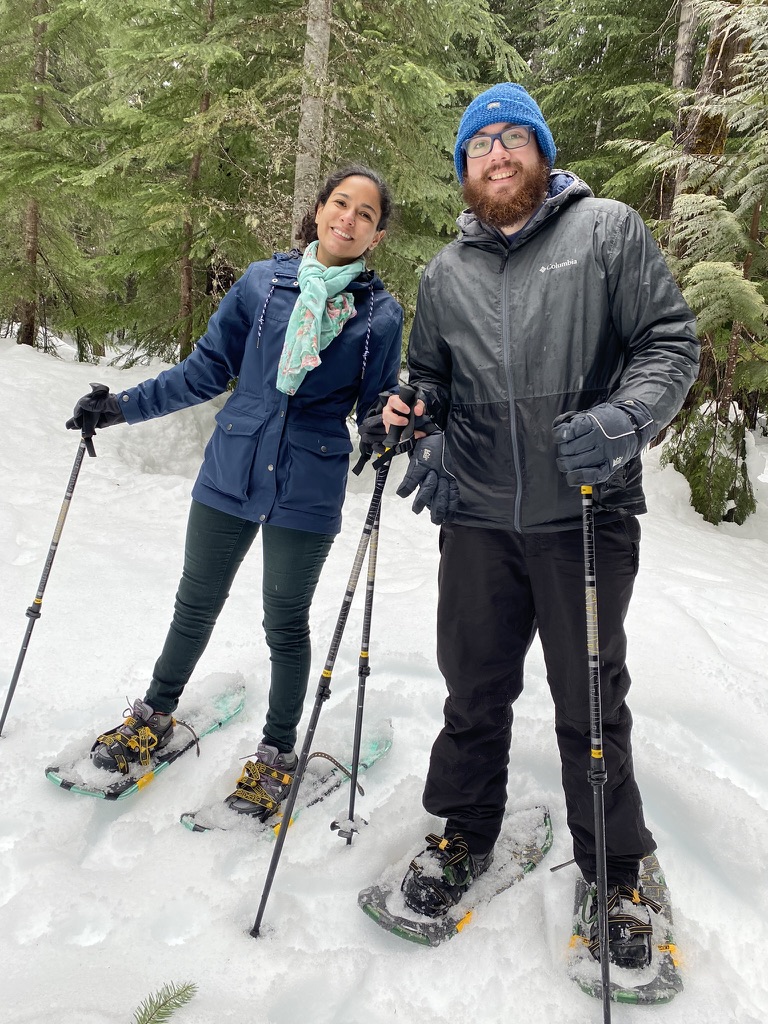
(400, 74)
(199, 131)
(604, 73)
(177, 141)
(48, 228)
(717, 239)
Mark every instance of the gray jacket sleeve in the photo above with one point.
(654, 322)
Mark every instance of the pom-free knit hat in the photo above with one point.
(511, 104)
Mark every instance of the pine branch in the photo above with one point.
(159, 1007)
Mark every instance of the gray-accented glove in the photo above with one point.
(593, 445)
(437, 487)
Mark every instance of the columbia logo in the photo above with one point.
(557, 266)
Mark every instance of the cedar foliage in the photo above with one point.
(606, 75)
(716, 239)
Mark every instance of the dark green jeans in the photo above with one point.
(215, 547)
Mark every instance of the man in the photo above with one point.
(550, 345)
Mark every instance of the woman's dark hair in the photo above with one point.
(308, 229)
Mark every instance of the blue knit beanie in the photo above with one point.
(508, 103)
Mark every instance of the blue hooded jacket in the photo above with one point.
(273, 458)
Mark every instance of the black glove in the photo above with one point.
(592, 445)
(438, 490)
(372, 431)
(98, 409)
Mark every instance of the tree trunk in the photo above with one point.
(682, 72)
(309, 143)
(28, 304)
(682, 76)
(703, 133)
(186, 286)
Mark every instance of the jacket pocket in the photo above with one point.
(316, 478)
(231, 450)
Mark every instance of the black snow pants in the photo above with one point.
(496, 589)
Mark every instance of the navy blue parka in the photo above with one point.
(273, 458)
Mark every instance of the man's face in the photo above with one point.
(505, 186)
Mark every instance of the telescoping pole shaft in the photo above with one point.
(324, 686)
(597, 771)
(35, 609)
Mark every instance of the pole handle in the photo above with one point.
(396, 433)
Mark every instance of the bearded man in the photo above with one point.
(550, 345)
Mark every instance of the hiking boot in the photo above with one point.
(629, 925)
(264, 783)
(440, 875)
(143, 732)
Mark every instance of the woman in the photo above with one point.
(277, 461)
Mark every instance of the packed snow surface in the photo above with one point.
(102, 903)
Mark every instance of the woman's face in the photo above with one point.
(347, 222)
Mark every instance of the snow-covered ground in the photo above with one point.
(100, 904)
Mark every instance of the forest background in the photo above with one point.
(150, 150)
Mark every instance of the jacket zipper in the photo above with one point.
(505, 345)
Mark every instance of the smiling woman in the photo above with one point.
(277, 462)
(347, 224)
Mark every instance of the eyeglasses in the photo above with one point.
(510, 138)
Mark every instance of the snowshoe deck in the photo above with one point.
(525, 838)
(658, 983)
(77, 774)
(321, 778)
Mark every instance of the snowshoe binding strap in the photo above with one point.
(250, 788)
(337, 764)
(450, 853)
(633, 924)
(191, 730)
(134, 736)
(249, 785)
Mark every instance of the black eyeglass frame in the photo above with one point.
(498, 135)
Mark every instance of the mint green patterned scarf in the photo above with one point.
(322, 309)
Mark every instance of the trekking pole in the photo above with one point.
(408, 395)
(35, 609)
(597, 772)
(324, 686)
(363, 671)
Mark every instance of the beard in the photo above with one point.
(502, 210)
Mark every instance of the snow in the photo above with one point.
(101, 904)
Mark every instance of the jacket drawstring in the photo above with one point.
(264, 310)
(367, 334)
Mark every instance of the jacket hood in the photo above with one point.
(564, 189)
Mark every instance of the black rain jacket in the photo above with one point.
(580, 308)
